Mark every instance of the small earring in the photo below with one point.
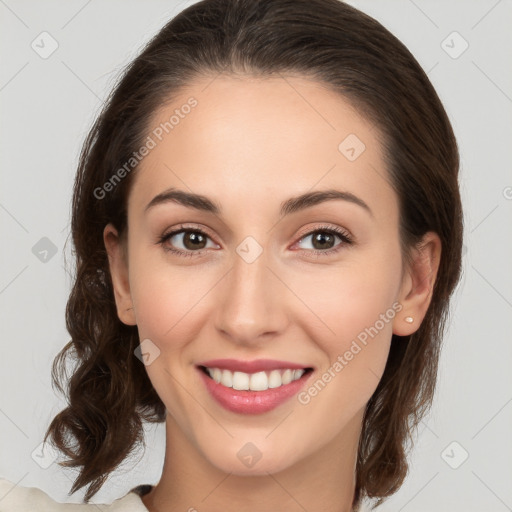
(409, 319)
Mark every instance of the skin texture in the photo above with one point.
(249, 145)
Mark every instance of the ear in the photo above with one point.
(117, 259)
(417, 284)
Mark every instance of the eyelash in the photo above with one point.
(345, 237)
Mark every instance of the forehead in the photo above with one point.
(251, 140)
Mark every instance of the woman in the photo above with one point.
(268, 230)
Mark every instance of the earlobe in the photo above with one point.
(418, 284)
(117, 260)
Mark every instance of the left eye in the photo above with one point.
(321, 240)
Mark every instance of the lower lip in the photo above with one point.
(252, 402)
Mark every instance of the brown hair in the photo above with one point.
(109, 392)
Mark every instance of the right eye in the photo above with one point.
(192, 241)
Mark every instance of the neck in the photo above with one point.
(325, 480)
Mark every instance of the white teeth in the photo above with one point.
(297, 374)
(274, 380)
(260, 381)
(227, 378)
(287, 376)
(241, 381)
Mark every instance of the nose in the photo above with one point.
(252, 301)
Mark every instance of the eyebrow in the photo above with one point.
(291, 205)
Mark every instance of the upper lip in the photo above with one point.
(258, 365)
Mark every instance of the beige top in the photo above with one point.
(15, 498)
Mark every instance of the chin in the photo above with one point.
(250, 455)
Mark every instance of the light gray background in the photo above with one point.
(48, 106)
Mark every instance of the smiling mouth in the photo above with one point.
(258, 381)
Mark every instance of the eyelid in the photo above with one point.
(184, 226)
(325, 227)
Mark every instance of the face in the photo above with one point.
(314, 285)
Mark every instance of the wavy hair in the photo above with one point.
(109, 393)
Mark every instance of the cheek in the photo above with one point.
(169, 312)
(165, 307)
(166, 296)
(353, 309)
(357, 311)
(350, 298)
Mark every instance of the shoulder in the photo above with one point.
(15, 498)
